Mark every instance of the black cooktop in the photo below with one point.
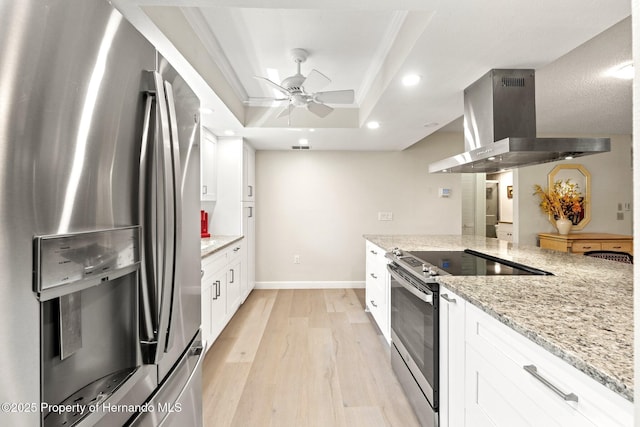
(471, 263)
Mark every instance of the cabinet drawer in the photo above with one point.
(374, 251)
(617, 246)
(503, 354)
(213, 263)
(586, 246)
(234, 252)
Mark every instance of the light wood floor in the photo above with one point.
(302, 358)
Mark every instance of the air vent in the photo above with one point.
(512, 81)
(300, 147)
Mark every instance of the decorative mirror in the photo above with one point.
(579, 175)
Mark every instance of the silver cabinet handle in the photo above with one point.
(373, 275)
(374, 252)
(373, 304)
(534, 371)
(236, 249)
(447, 299)
(204, 189)
(217, 288)
(250, 190)
(233, 276)
(250, 211)
(201, 274)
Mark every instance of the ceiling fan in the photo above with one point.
(303, 91)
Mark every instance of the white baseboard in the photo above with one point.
(309, 285)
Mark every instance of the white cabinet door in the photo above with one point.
(377, 291)
(234, 284)
(218, 302)
(234, 276)
(452, 330)
(248, 173)
(249, 248)
(208, 166)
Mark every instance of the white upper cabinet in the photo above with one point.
(208, 166)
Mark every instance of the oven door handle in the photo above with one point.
(409, 287)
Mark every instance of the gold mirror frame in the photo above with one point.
(581, 176)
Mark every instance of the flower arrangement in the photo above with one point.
(563, 201)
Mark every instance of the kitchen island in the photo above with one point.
(583, 314)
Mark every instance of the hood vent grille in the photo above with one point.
(300, 147)
(508, 81)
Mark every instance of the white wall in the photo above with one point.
(318, 204)
(611, 183)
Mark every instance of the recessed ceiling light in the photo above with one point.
(411, 80)
(568, 158)
(205, 110)
(373, 125)
(229, 132)
(303, 141)
(312, 130)
(491, 158)
(624, 71)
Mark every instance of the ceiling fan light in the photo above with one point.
(373, 125)
(303, 141)
(411, 79)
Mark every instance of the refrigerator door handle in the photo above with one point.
(148, 248)
(163, 227)
(175, 244)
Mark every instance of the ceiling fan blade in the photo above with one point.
(336, 97)
(315, 81)
(318, 109)
(273, 85)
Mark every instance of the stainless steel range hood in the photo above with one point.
(500, 128)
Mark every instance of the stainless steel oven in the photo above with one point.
(415, 316)
(414, 342)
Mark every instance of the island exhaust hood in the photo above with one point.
(500, 128)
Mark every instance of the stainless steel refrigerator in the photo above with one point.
(99, 217)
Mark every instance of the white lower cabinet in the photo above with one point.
(221, 290)
(234, 277)
(496, 377)
(377, 288)
(452, 330)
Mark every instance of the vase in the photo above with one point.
(564, 226)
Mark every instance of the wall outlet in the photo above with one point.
(627, 206)
(385, 216)
(619, 207)
(620, 216)
(296, 259)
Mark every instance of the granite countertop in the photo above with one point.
(213, 244)
(583, 314)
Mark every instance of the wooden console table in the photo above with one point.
(584, 242)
